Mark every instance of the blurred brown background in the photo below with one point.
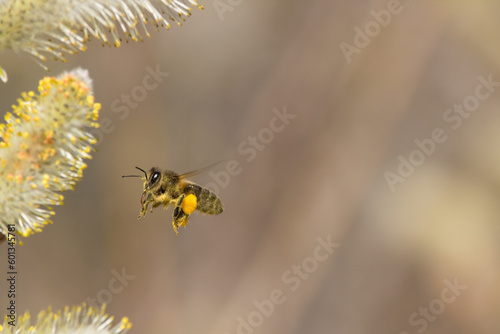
(322, 175)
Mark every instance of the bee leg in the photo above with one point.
(145, 204)
(180, 217)
(144, 210)
(188, 203)
(145, 207)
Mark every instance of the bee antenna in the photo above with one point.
(131, 176)
(142, 170)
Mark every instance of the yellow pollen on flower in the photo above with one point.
(45, 181)
(126, 323)
(26, 233)
(95, 112)
(49, 134)
(90, 100)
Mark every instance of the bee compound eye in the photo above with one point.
(155, 177)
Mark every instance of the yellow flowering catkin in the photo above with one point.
(43, 144)
(77, 319)
(59, 27)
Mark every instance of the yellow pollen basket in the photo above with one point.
(189, 204)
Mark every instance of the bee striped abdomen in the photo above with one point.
(208, 202)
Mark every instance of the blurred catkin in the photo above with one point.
(56, 28)
(77, 319)
(43, 144)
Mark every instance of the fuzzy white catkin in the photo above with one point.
(56, 28)
(43, 145)
(77, 319)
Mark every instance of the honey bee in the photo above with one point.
(167, 187)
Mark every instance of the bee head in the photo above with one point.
(151, 179)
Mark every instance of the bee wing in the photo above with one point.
(198, 171)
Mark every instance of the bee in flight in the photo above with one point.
(167, 187)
